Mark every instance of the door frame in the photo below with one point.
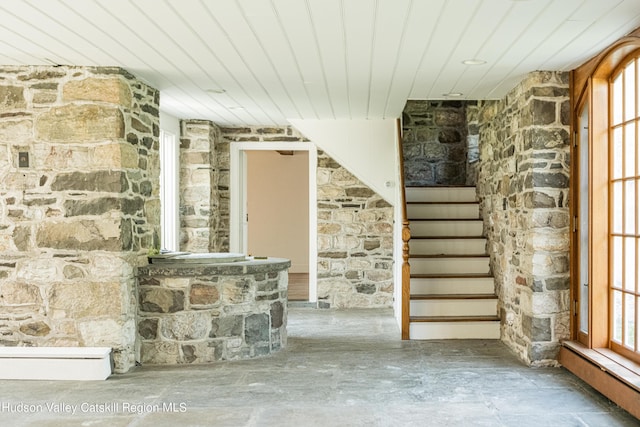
(238, 199)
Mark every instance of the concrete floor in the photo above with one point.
(341, 368)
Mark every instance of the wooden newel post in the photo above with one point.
(406, 236)
(406, 279)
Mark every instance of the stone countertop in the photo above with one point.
(250, 266)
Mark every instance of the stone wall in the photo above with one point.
(76, 222)
(199, 188)
(355, 241)
(355, 235)
(435, 142)
(523, 187)
(198, 313)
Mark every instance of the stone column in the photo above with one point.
(473, 141)
(523, 186)
(78, 219)
(199, 195)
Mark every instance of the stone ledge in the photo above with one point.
(225, 269)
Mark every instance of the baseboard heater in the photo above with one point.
(55, 363)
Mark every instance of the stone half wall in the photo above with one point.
(355, 225)
(202, 313)
(523, 187)
(76, 222)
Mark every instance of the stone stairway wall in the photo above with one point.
(440, 142)
(522, 180)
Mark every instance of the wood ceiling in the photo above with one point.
(262, 62)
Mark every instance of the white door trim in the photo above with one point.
(237, 199)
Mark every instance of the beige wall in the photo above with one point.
(278, 206)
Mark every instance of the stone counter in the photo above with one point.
(201, 313)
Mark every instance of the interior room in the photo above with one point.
(347, 212)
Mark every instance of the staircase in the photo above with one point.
(452, 292)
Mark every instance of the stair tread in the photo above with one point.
(452, 296)
(454, 318)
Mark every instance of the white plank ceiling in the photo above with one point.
(275, 60)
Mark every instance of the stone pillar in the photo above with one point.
(199, 195)
(473, 141)
(435, 142)
(523, 186)
(81, 216)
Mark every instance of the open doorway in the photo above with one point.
(278, 212)
(271, 213)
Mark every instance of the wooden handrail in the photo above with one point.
(406, 236)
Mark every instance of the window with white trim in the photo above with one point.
(169, 184)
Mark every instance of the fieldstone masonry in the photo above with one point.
(355, 241)
(523, 187)
(204, 313)
(355, 225)
(76, 222)
(473, 141)
(200, 200)
(435, 142)
(517, 151)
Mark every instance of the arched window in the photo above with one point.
(623, 180)
(605, 251)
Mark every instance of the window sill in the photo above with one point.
(611, 374)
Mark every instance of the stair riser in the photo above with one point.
(441, 194)
(452, 286)
(446, 228)
(447, 246)
(443, 211)
(449, 265)
(454, 330)
(465, 307)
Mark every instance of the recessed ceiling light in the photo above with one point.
(474, 62)
(218, 91)
(235, 107)
(452, 95)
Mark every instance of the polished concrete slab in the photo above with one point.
(340, 368)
